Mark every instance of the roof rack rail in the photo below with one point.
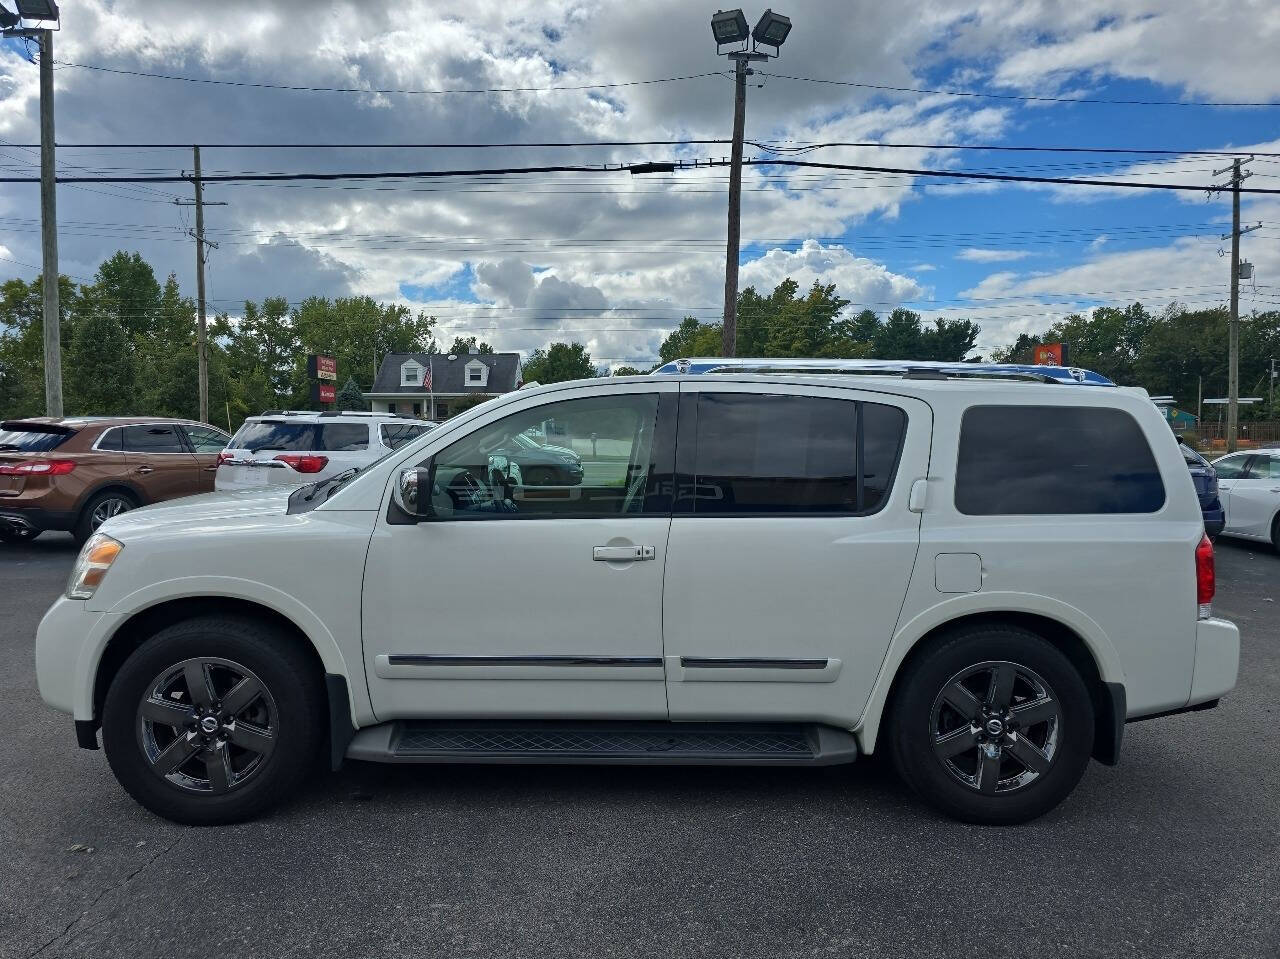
(907, 369)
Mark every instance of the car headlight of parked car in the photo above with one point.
(95, 558)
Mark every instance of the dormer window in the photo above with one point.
(477, 374)
(411, 373)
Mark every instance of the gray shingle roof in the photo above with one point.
(449, 376)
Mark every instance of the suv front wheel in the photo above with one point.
(994, 725)
(213, 720)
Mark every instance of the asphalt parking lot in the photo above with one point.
(1176, 851)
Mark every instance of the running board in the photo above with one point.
(620, 743)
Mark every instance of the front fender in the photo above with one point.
(193, 587)
(984, 603)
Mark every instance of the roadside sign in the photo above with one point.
(321, 367)
(1051, 354)
(323, 393)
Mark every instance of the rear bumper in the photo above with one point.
(34, 518)
(1217, 660)
(1215, 518)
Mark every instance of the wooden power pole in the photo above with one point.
(202, 340)
(729, 334)
(1233, 323)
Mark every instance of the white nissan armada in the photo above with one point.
(982, 571)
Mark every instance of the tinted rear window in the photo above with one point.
(31, 441)
(792, 454)
(1038, 460)
(302, 437)
(395, 435)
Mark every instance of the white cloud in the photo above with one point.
(856, 278)
(980, 255)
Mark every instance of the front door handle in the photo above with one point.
(145, 469)
(211, 469)
(622, 554)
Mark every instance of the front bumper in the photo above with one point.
(69, 640)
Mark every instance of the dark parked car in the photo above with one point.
(539, 464)
(74, 473)
(1206, 479)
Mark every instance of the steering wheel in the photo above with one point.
(462, 489)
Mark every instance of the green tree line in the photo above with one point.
(1177, 352)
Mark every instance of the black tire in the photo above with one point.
(16, 536)
(924, 725)
(89, 520)
(1275, 533)
(290, 711)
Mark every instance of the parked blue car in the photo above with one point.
(1206, 479)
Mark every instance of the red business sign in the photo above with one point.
(322, 367)
(1050, 354)
(323, 393)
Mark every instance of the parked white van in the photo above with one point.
(984, 573)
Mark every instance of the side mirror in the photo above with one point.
(412, 492)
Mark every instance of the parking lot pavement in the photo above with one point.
(1173, 852)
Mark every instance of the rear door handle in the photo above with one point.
(211, 469)
(622, 554)
(145, 469)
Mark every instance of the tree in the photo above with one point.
(462, 345)
(626, 371)
(349, 397)
(691, 338)
(358, 332)
(559, 362)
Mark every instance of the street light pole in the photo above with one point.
(731, 27)
(729, 333)
(49, 234)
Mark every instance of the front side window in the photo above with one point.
(1050, 460)
(781, 454)
(205, 440)
(1264, 467)
(152, 439)
(601, 464)
(1231, 467)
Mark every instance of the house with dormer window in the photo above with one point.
(434, 386)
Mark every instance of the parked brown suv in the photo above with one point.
(75, 472)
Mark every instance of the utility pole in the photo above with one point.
(49, 234)
(201, 242)
(1233, 324)
(730, 26)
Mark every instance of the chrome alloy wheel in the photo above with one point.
(207, 725)
(995, 727)
(112, 506)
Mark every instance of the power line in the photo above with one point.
(768, 146)
(673, 165)
(389, 90)
(1023, 97)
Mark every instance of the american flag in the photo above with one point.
(426, 376)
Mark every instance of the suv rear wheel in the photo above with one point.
(100, 509)
(994, 725)
(213, 720)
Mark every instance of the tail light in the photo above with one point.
(223, 457)
(304, 463)
(1205, 580)
(38, 468)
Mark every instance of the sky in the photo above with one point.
(615, 260)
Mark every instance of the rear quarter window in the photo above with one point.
(302, 437)
(1046, 460)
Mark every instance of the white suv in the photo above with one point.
(984, 579)
(295, 447)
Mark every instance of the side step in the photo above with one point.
(621, 743)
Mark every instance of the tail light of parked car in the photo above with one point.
(224, 457)
(38, 468)
(304, 463)
(1205, 580)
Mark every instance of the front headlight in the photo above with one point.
(95, 558)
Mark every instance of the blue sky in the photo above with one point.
(616, 261)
